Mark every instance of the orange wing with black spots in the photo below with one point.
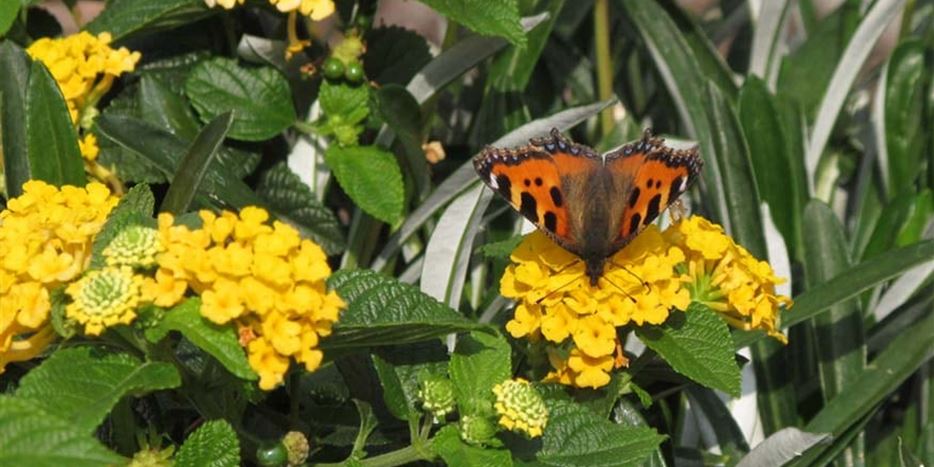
(652, 176)
(535, 180)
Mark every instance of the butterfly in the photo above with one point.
(590, 205)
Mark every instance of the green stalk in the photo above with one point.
(601, 27)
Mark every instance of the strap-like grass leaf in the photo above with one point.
(194, 165)
(15, 67)
(782, 447)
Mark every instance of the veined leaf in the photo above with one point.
(371, 177)
(479, 362)
(488, 17)
(219, 341)
(35, 437)
(382, 311)
(123, 18)
(85, 397)
(213, 444)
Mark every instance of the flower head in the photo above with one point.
(261, 276)
(520, 407)
(476, 429)
(103, 298)
(437, 396)
(134, 246)
(296, 444)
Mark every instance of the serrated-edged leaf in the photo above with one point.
(219, 341)
(383, 311)
(698, 345)
(294, 202)
(122, 18)
(15, 66)
(134, 208)
(456, 453)
(480, 361)
(394, 55)
(488, 17)
(194, 164)
(782, 447)
(84, 398)
(349, 102)
(576, 436)
(35, 437)
(51, 139)
(371, 177)
(213, 444)
(259, 97)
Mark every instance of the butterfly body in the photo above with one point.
(591, 205)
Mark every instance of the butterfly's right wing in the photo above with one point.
(541, 181)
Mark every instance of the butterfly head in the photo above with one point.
(593, 267)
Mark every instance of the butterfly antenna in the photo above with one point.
(645, 284)
(614, 284)
(564, 268)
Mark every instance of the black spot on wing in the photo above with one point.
(634, 197)
(650, 183)
(528, 207)
(556, 196)
(652, 212)
(551, 221)
(538, 181)
(634, 223)
(504, 187)
(675, 190)
(527, 182)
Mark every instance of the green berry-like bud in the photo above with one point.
(333, 68)
(437, 396)
(476, 429)
(520, 407)
(134, 246)
(354, 72)
(272, 455)
(296, 444)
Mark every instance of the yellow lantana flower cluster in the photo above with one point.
(727, 278)
(264, 278)
(520, 407)
(314, 9)
(45, 242)
(657, 272)
(84, 66)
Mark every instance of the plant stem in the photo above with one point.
(601, 27)
(406, 455)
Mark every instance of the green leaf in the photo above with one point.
(576, 436)
(904, 104)
(349, 102)
(399, 368)
(123, 18)
(32, 436)
(134, 208)
(511, 70)
(501, 249)
(696, 344)
(15, 66)
(367, 425)
(763, 128)
(295, 203)
(219, 341)
(383, 311)
(259, 98)
(840, 337)
(487, 17)
(192, 167)
(85, 397)
(394, 394)
(479, 362)
(394, 55)
(51, 139)
(402, 114)
(448, 445)
(213, 444)
(8, 13)
(782, 447)
(371, 177)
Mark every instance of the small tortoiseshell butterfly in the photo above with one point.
(591, 205)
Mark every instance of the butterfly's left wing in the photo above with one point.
(542, 181)
(649, 176)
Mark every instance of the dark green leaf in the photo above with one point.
(15, 66)
(479, 362)
(696, 344)
(402, 114)
(371, 177)
(448, 445)
(576, 436)
(213, 444)
(805, 72)
(51, 139)
(293, 201)
(219, 341)
(904, 103)
(32, 436)
(259, 98)
(488, 17)
(399, 368)
(194, 164)
(394, 394)
(85, 397)
(123, 18)
(394, 55)
(383, 311)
